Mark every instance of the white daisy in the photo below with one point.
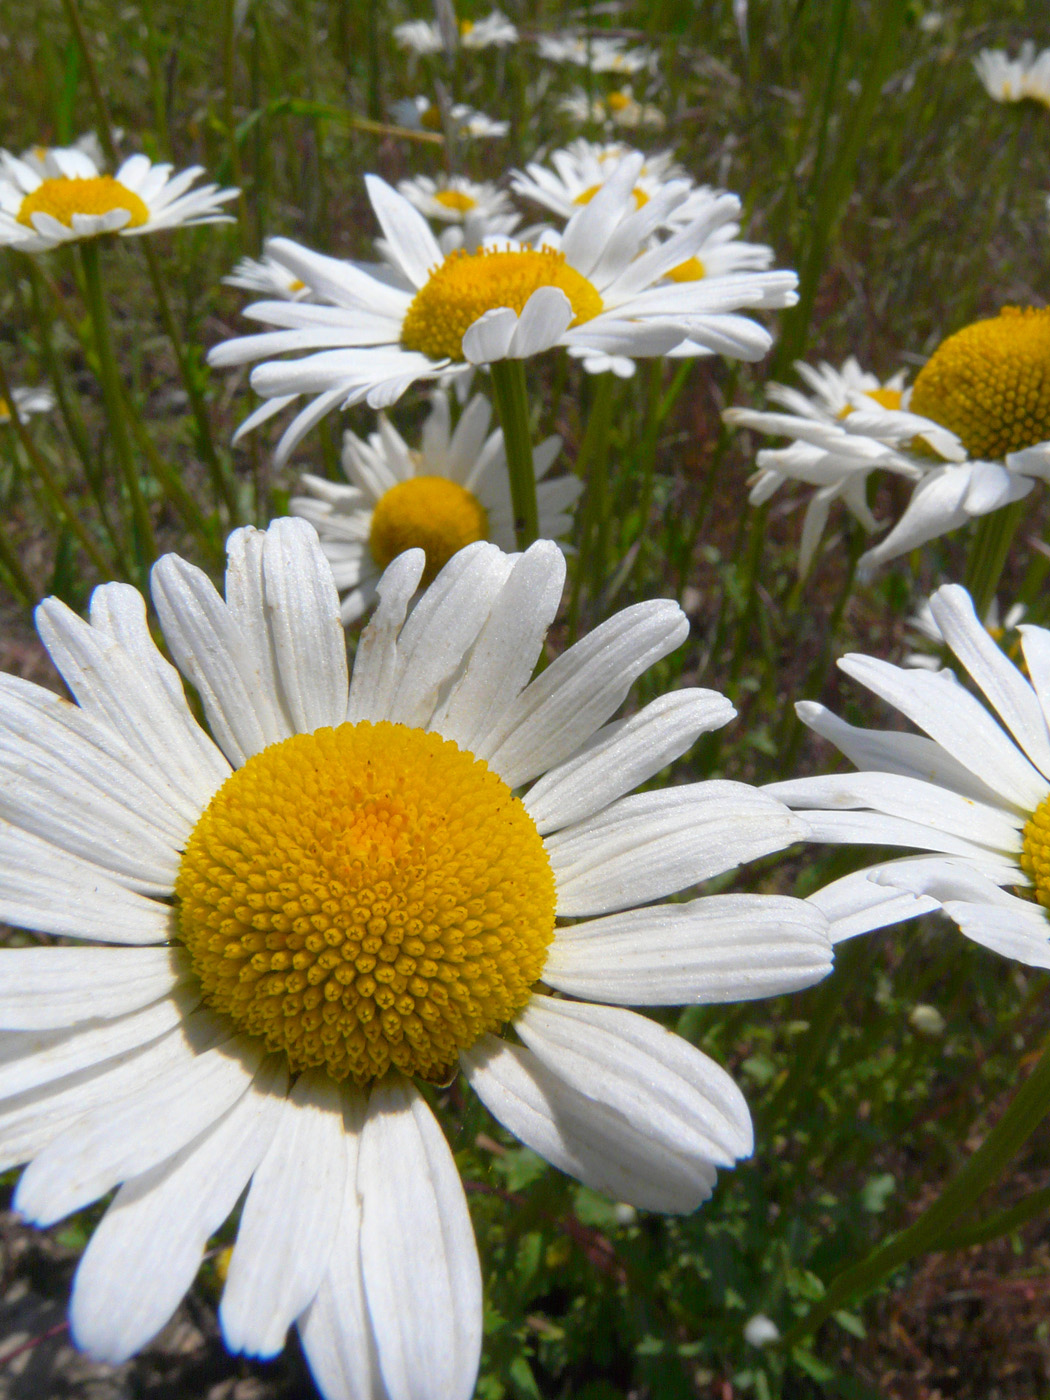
(1015, 79)
(469, 210)
(849, 426)
(592, 290)
(424, 36)
(974, 796)
(268, 276)
(339, 894)
(618, 108)
(39, 212)
(420, 114)
(600, 55)
(26, 403)
(451, 492)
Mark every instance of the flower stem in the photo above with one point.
(512, 405)
(1030, 1105)
(109, 375)
(991, 545)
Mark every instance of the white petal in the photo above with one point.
(42, 988)
(1020, 931)
(732, 947)
(505, 653)
(148, 1125)
(856, 904)
(405, 228)
(1035, 644)
(490, 338)
(654, 843)
(623, 755)
(420, 1263)
(145, 1253)
(584, 1136)
(543, 321)
(290, 1219)
(579, 691)
(377, 666)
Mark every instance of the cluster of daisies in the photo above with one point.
(286, 909)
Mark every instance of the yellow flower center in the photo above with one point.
(429, 513)
(619, 101)
(296, 284)
(455, 200)
(990, 383)
(430, 118)
(1035, 852)
(466, 285)
(5, 412)
(466, 26)
(366, 896)
(62, 198)
(640, 196)
(692, 270)
(886, 398)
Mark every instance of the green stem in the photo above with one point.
(591, 463)
(512, 405)
(1026, 1111)
(145, 544)
(221, 483)
(69, 518)
(1001, 1223)
(992, 540)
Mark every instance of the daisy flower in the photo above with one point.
(849, 425)
(451, 492)
(424, 36)
(286, 924)
(470, 211)
(619, 108)
(594, 290)
(38, 212)
(268, 276)
(600, 55)
(1015, 79)
(973, 796)
(420, 114)
(26, 403)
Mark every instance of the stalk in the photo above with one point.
(991, 545)
(512, 405)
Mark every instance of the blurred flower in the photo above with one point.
(1015, 79)
(927, 1020)
(924, 622)
(424, 36)
(451, 492)
(420, 114)
(761, 1331)
(587, 290)
(40, 212)
(619, 108)
(470, 211)
(258, 1027)
(266, 275)
(27, 402)
(600, 55)
(974, 796)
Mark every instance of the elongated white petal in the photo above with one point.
(1020, 931)
(651, 844)
(45, 988)
(582, 1135)
(857, 904)
(289, 1222)
(377, 666)
(579, 691)
(732, 947)
(491, 336)
(420, 1263)
(407, 231)
(623, 755)
(146, 1251)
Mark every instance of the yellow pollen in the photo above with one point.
(1035, 852)
(429, 513)
(456, 200)
(886, 398)
(619, 101)
(296, 285)
(692, 270)
(640, 196)
(63, 197)
(466, 285)
(990, 383)
(466, 26)
(365, 897)
(430, 118)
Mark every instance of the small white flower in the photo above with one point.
(927, 1020)
(761, 1331)
(39, 212)
(452, 491)
(619, 108)
(973, 796)
(1015, 79)
(424, 36)
(283, 927)
(597, 290)
(27, 402)
(268, 276)
(420, 114)
(600, 55)
(475, 210)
